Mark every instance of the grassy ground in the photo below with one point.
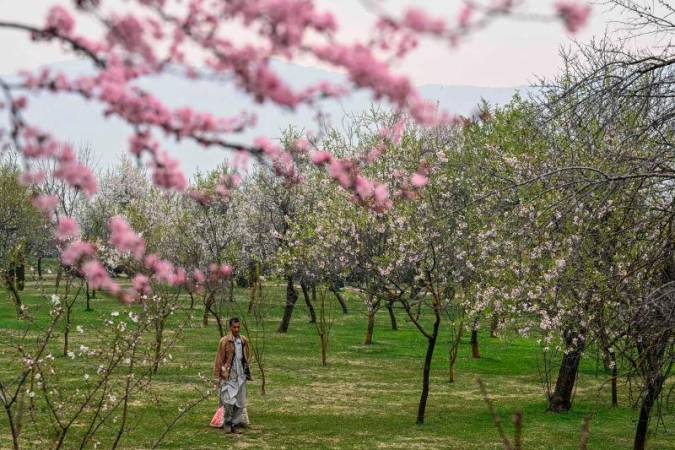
(366, 397)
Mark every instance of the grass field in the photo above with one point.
(367, 396)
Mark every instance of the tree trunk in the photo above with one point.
(231, 290)
(324, 345)
(66, 329)
(39, 267)
(9, 281)
(561, 400)
(431, 344)
(291, 298)
(614, 369)
(371, 325)
(159, 333)
(21, 276)
(475, 351)
(654, 386)
(340, 299)
(86, 290)
(392, 315)
(308, 302)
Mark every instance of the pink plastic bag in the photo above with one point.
(217, 420)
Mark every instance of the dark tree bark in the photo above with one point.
(561, 400)
(653, 389)
(431, 344)
(291, 298)
(475, 350)
(392, 315)
(21, 276)
(340, 299)
(308, 302)
(39, 267)
(371, 327)
(11, 286)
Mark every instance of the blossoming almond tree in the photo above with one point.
(193, 39)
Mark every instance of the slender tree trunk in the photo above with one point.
(231, 290)
(308, 302)
(431, 344)
(392, 315)
(371, 325)
(324, 345)
(614, 369)
(561, 400)
(66, 329)
(453, 351)
(654, 386)
(86, 290)
(291, 298)
(21, 276)
(475, 351)
(59, 274)
(39, 267)
(159, 334)
(340, 299)
(9, 282)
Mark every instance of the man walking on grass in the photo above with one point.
(231, 372)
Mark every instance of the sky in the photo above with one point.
(508, 53)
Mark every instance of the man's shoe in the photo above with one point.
(235, 430)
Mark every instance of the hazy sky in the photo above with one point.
(508, 53)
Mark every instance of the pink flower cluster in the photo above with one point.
(76, 174)
(164, 271)
(76, 251)
(346, 173)
(67, 228)
(418, 20)
(98, 277)
(59, 21)
(45, 203)
(167, 172)
(283, 22)
(141, 284)
(574, 14)
(124, 239)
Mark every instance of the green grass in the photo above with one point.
(366, 398)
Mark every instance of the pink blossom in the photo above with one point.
(59, 21)
(225, 270)
(419, 180)
(75, 251)
(98, 277)
(32, 177)
(45, 203)
(141, 284)
(77, 175)
(67, 228)
(320, 158)
(574, 14)
(198, 276)
(123, 238)
(364, 187)
(418, 20)
(167, 173)
(465, 14)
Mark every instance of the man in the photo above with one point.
(231, 372)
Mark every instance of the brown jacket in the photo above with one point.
(221, 367)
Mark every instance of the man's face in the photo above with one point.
(234, 328)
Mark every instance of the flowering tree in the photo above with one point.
(158, 36)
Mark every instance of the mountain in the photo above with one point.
(81, 123)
